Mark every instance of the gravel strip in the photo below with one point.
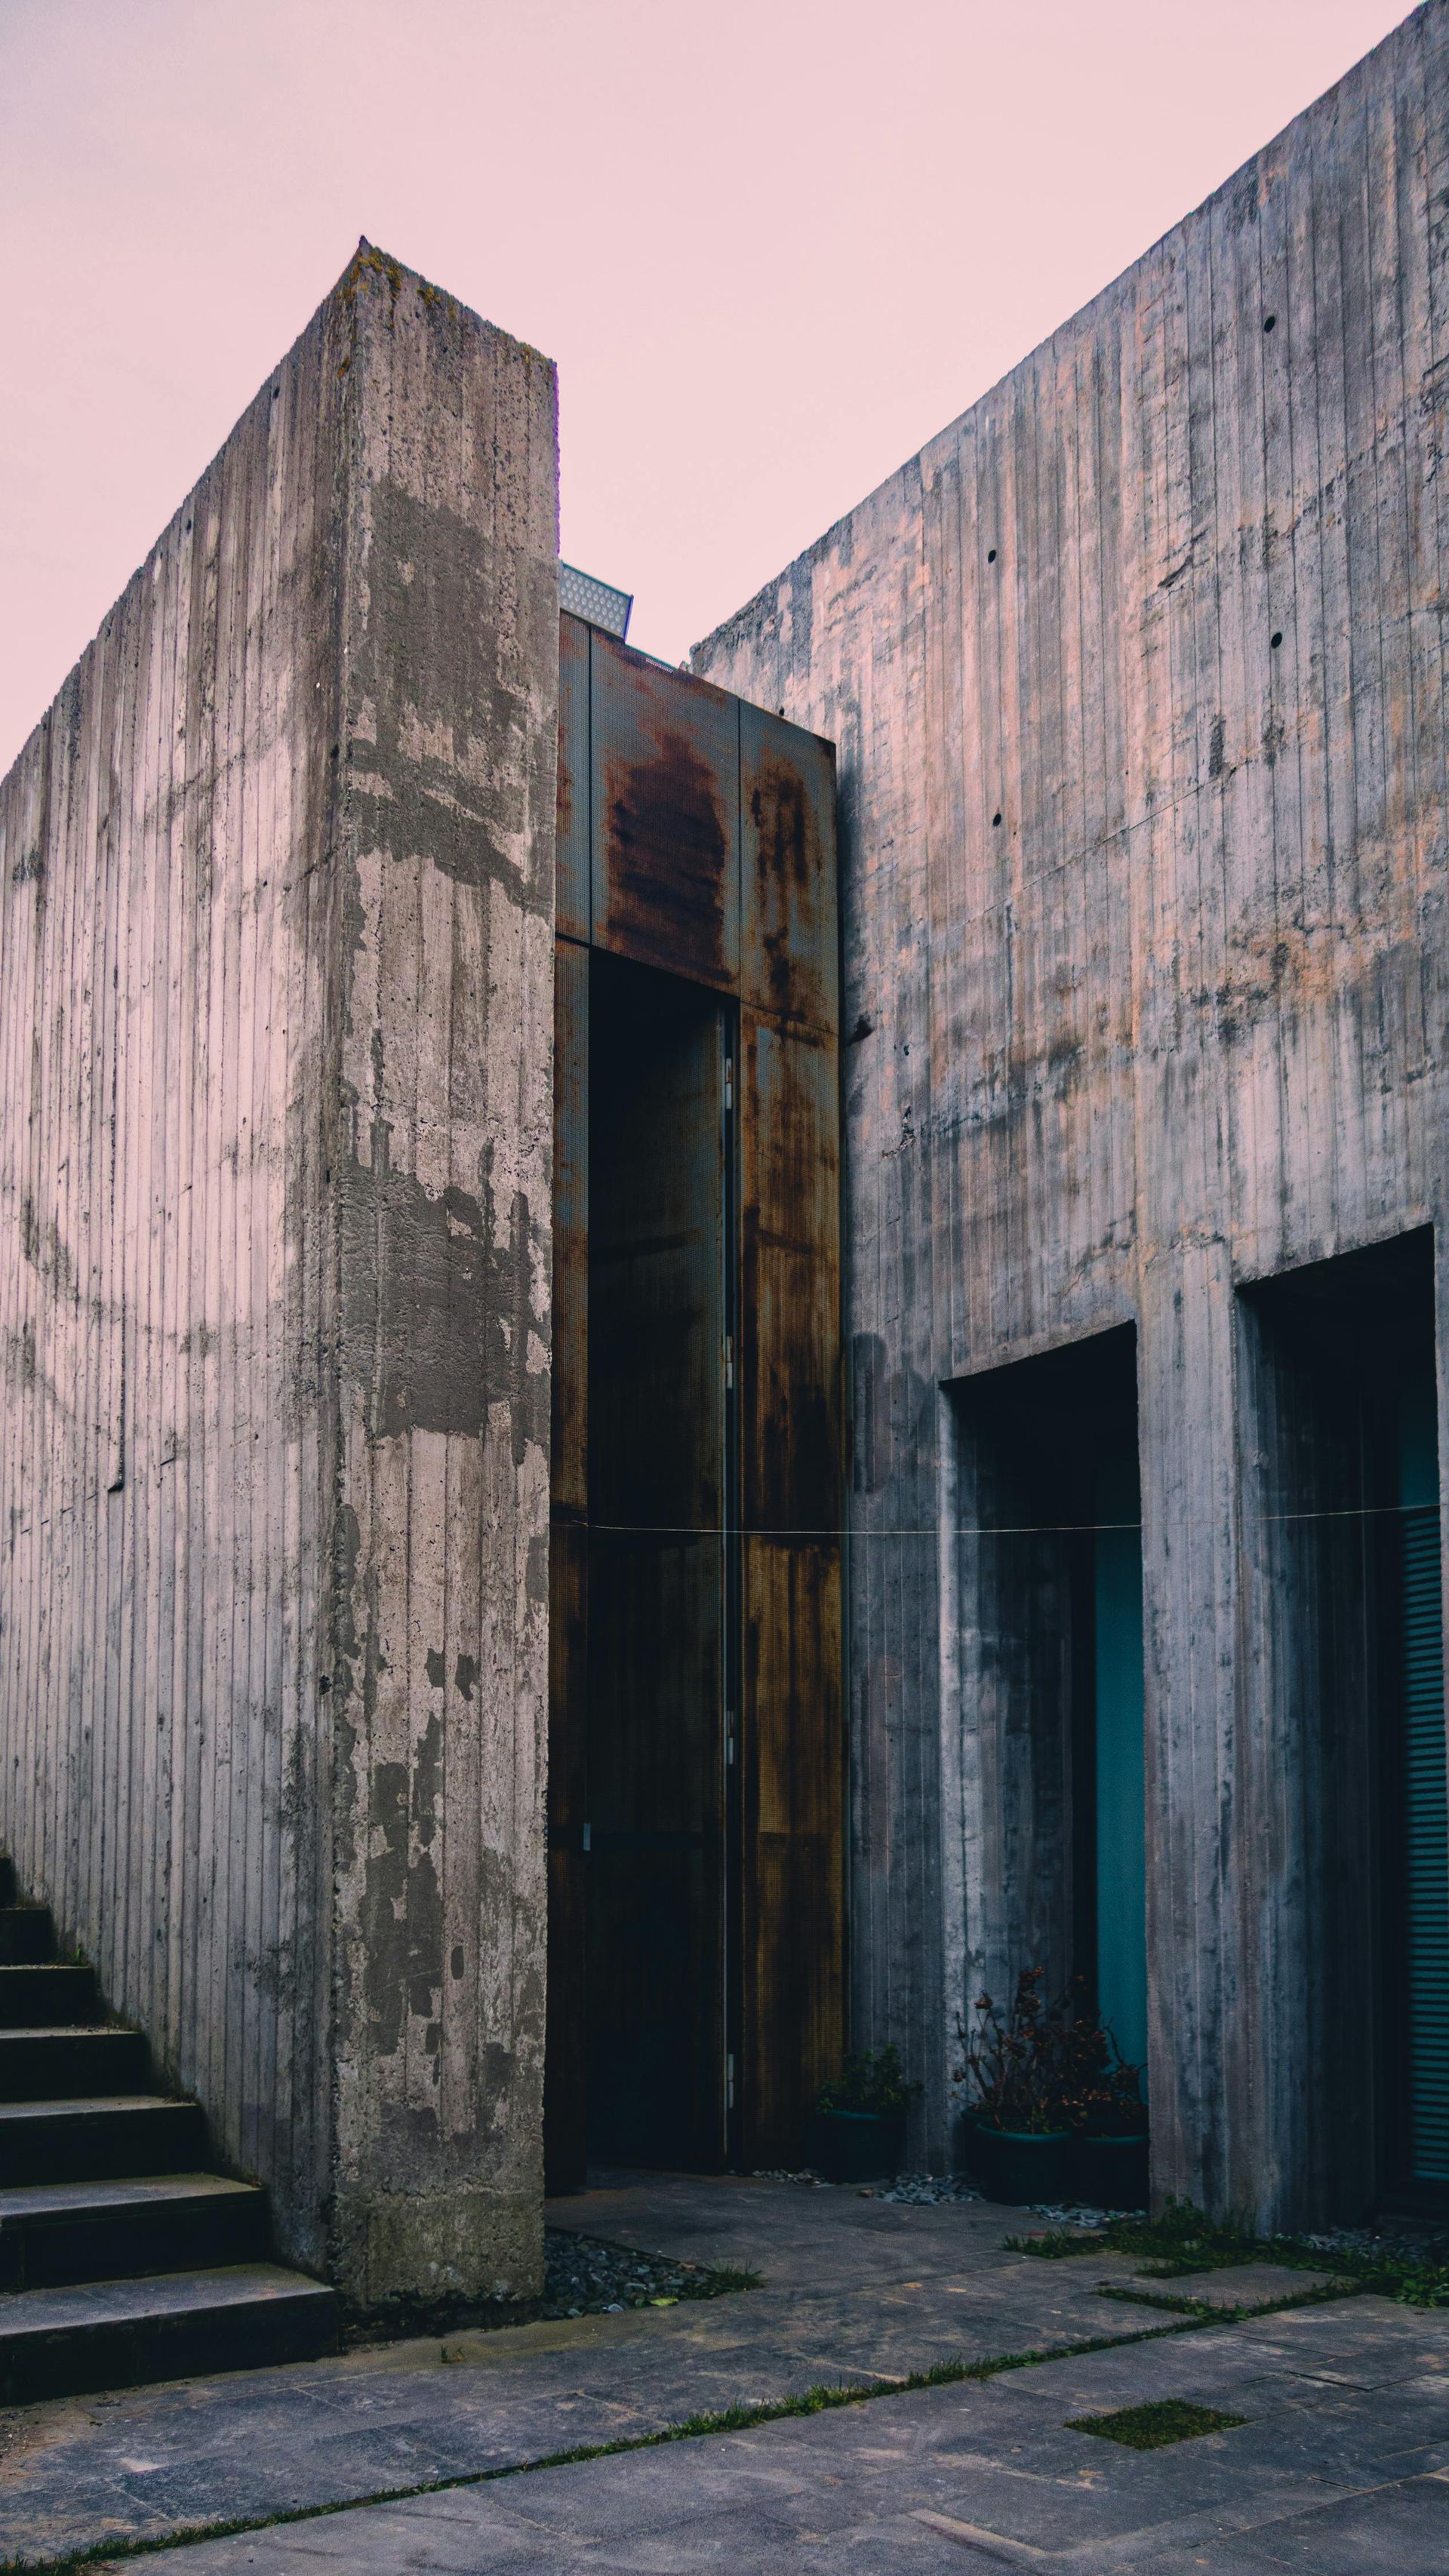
(917, 2191)
(583, 2276)
(1079, 2213)
(1396, 2236)
(928, 2191)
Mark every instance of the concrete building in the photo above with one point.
(1134, 682)
(1135, 677)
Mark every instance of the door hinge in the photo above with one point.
(729, 1735)
(729, 2083)
(729, 1359)
(588, 1837)
(729, 1082)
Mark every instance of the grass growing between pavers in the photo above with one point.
(1230, 2312)
(1155, 2426)
(728, 2419)
(1184, 2241)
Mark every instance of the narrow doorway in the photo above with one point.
(1049, 1588)
(1349, 1543)
(661, 1572)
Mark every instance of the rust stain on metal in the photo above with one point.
(664, 793)
(786, 866)
(794, 1804)
(571, 881)
(787, 857)
(667, 846)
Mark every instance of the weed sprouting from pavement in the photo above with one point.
(1152, 2427)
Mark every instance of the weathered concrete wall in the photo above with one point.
(443, 1154)
(275, 986)
(1136, 677)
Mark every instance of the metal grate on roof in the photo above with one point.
(594, 601)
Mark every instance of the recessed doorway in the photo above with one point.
(659, 1898)
(1347, 1541)
(1048, 1587)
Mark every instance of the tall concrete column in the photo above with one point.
(1191, 1588)
(442, 1173)
(276, 977)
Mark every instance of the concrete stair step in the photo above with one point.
(121, 2259)
(44, 1994)
(48, 2065)
(99, 2137)
(56, 2233)
(119, 2333)
(26, 1933)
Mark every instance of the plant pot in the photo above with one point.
(1111, 2173)
(856, 2146)
(1012, 2166)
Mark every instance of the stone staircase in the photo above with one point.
(121, 2258)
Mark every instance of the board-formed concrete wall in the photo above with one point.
(276, 902)
(1136, 675)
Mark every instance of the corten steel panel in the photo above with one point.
(790, 1302)
(572, 899)
(792, 1733)
(794, 1804)
(788, 958)
(565, 2105)
(666, 841)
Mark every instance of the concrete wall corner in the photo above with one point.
(441, 1170)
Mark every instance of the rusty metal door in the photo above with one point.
(654, 1864)
(696, 919)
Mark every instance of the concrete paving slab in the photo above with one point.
(1244, 2285)
(1402, 2529)
(1363, 2343)
(984, 2474)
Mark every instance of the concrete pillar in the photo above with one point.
(442, 1170)
(1190, 1609)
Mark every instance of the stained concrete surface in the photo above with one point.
(853, 2289)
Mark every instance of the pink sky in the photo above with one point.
(773, 247)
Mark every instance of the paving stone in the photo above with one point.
(1341, 2395)
(1402, 2528)
(976, 2471)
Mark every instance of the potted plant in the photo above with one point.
(1102, 2102)
(1018, 2136)
(858, 2132)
